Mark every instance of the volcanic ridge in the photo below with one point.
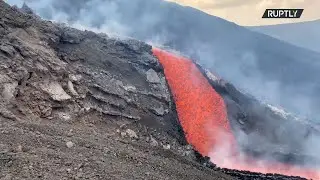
(81, 105)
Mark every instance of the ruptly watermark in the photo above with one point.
(282, 13)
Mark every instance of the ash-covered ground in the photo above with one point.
(80, 105)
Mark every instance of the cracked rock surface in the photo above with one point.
(80, 105)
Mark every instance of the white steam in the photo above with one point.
(228, 56)
(150, 21)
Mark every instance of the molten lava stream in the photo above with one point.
(202, 114)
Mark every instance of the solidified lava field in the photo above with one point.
(203, 116)
(80, 105)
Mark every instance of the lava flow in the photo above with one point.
(203, 116)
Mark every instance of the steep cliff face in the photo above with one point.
(259, 62)
(82, 105)
(75, 104)
(62, 66)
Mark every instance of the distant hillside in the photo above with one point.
(305, 34)
(270, 69)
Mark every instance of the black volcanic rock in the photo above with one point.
(268, 68)
(80, 105)
(26, 9)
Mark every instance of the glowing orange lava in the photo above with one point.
(203, 117)
(198, 105)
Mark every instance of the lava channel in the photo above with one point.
(203, 117)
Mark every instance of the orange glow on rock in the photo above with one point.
(203, 117)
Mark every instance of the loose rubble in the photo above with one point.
(67, 93)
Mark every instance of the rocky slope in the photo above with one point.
(266, 131)
(254, 62)
(75, 105)
(80, 105)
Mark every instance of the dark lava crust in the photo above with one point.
(80, 105)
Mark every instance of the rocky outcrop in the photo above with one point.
(84, 102)
(80, 105)
(81, 71)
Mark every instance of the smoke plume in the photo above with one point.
(273, 71)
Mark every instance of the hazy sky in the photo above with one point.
(249, 12)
